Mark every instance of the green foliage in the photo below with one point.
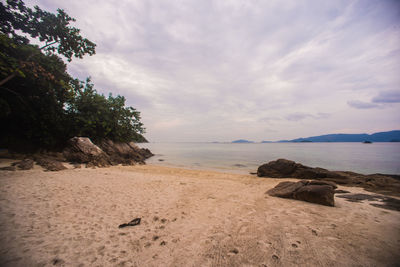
(51, 29)
(103, 118)
(42, 106)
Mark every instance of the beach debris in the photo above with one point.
(283, 168)
(160, 159)
(318, 192)
(234, 251)
(134, 222)
(163, 243)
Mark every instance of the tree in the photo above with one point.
(53, 30)
(34, 101)
(42, 106)
(101, 118)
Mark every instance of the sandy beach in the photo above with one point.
(188, 218)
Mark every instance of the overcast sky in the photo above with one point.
(258, 70)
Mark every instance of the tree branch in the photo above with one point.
(43, 47)
(12, 75)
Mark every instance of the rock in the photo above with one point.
(25, 164)
(285, 189)
(277, 169)
(314, 182)
(318, 192)
(82, 150)
(49, 164)
(8, 168)
(125, 153)
(106, 153)
(283, 168)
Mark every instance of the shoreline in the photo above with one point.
(188, 218)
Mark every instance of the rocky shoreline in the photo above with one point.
(379, 183)
(81, 150)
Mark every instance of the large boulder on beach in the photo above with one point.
(82, 150)
(311, 191)
(124, 153)
(105, 153)
(283, 168)
(278, 168)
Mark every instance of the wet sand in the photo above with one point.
(188, 218)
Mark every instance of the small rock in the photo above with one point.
(234, 251)
(8, 168)
(25, 164)
(163, 243)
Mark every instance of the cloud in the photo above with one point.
(387, 97)
(361, 105)
(301, 116)
(203, 70)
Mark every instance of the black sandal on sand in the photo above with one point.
(131, 223)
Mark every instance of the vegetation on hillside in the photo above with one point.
(41, 105)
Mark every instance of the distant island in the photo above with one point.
(242, 141)
(391, 136)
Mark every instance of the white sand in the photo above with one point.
(189, 218)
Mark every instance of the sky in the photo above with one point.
(201, 71)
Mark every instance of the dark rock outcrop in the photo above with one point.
(106, 153)
(82, 150)
(124, 153)
(318, 192)
(283, 168)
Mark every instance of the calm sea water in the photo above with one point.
(244, 158)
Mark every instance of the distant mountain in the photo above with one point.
(242, 141)
(391, 136)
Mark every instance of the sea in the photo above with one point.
(246, 157)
